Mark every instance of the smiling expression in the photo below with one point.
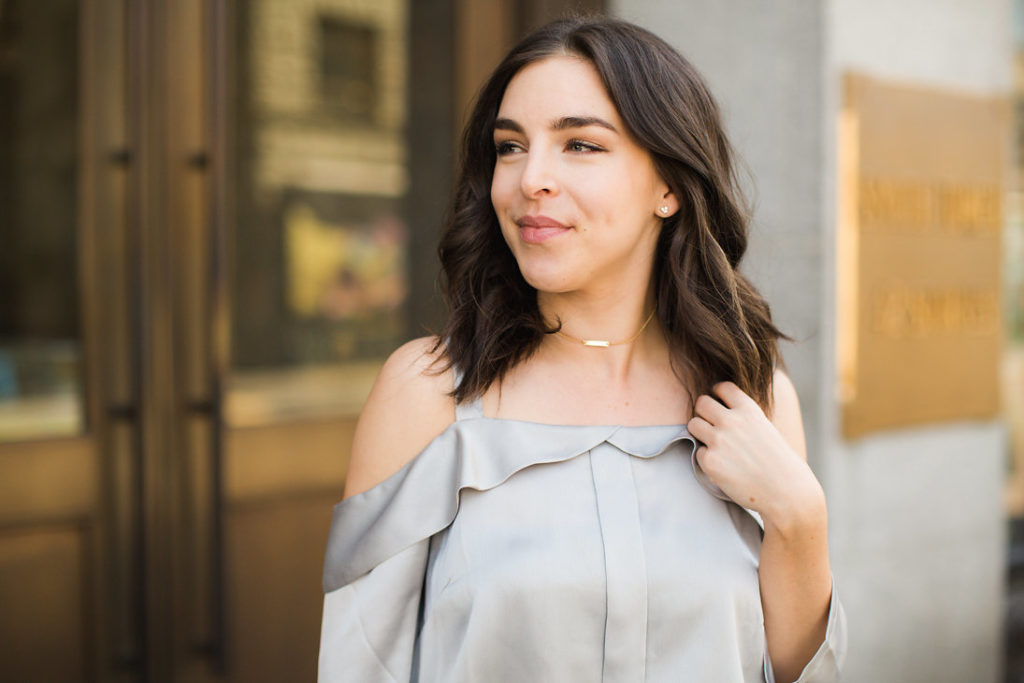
(578, 200)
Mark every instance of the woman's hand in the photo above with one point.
(747, 457)
(760, 464)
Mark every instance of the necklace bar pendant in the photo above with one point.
(596, 342)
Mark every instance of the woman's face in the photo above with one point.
(578, 200)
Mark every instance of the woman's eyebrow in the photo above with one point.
(508, 124)
(564, 123)
(582, 122)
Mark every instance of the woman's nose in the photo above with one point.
(538, 175)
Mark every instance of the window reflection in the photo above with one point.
(321, 246)
(40, 387)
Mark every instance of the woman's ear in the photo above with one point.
(667, 205)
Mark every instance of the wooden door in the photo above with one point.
(217, 219)
(69, 516)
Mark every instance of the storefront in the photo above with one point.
(218, 218)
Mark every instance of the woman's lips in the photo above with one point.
(538, 229)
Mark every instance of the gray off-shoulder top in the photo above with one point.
(511, 551)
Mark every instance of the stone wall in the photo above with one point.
(916, 515)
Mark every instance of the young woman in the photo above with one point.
(597, 472)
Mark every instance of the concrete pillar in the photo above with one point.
(916, 515)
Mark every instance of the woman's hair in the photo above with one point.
(718, 326)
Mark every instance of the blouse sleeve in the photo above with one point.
(369, 625)
(374, 572)
(827, 662)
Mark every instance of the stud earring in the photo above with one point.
(664, 209)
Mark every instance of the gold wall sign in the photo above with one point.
(920, 218)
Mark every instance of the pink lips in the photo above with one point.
(538, 229)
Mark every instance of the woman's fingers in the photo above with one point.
(731, 395)
(708, 408)
(700, 454)
(700, 429)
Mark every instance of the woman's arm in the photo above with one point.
(761, 463)
(408, 406)
(796, 580)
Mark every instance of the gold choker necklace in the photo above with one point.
(601, 343)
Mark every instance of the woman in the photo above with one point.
(597, 472)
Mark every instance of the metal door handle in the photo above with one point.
(127, 539)
(215, 645)
(211, 163)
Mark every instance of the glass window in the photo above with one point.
(40, 349)
(320, 244)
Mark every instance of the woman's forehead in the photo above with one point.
(555, 88)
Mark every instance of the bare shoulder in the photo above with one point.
(407, 408)
(786, 412)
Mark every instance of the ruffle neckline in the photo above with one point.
(422, 498)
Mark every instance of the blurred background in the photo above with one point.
(218, 217)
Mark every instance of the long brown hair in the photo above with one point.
(718, 326)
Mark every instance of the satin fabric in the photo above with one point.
(519, 551)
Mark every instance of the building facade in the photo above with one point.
(218, 219)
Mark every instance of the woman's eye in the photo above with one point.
(581, 146)
(503, 148)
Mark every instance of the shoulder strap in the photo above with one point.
(465, 411)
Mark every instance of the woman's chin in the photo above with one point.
(546, 282)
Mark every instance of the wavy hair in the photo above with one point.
(717, 325)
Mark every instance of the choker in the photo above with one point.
(601, 343)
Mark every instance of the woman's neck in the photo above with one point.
(624, 322)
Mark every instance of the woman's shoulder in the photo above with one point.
(409, 405)
(786, 412)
